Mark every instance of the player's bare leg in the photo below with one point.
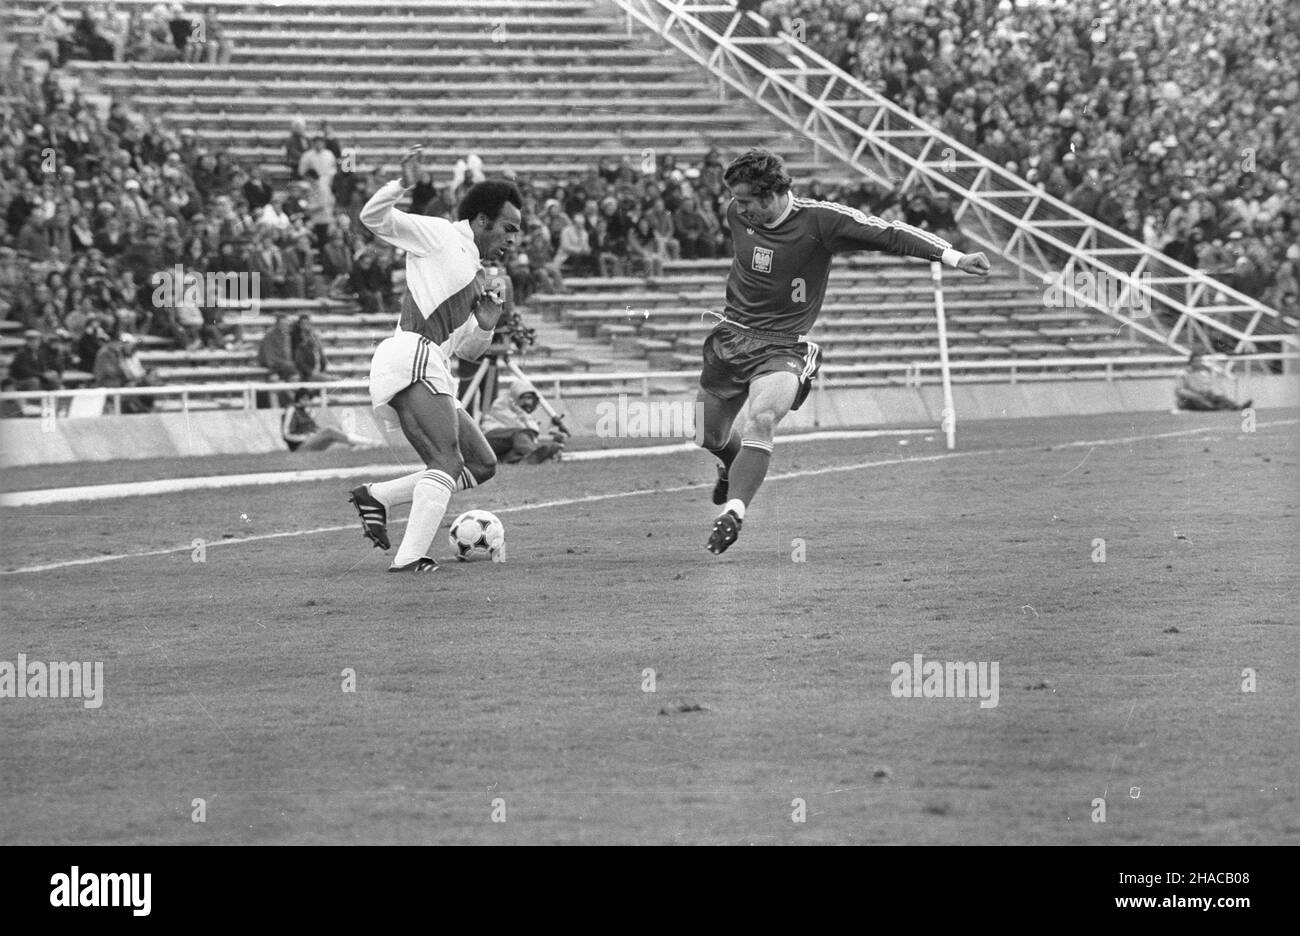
(480, 460)
(770, 398)
(430, 423)
(719, 435)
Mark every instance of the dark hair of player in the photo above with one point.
(761, 170)
(488, 198)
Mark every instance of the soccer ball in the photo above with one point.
(478, 530)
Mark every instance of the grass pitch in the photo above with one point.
(518, 692)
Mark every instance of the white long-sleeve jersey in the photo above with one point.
(444, 274)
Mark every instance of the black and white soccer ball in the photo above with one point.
(478, 531)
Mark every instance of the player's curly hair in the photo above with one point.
(488, 198)
(762, 170)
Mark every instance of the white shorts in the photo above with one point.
(405, 359)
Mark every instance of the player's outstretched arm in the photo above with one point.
(976, 264)
(847, 229)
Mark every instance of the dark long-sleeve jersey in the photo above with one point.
(778, 275)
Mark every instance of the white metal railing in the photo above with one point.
(1161, 298)
(55, 404)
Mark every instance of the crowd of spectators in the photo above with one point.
(623, 217)
(163, 33)
(1175, 121)
(626, 217)
(96, 207)
(99, 210)
(1172, 121)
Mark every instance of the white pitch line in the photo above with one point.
(824, 436)
(95, 492)
(595, 498)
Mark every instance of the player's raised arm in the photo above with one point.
(846, 229)
(411, 233)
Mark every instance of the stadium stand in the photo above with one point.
(1170, 121)
(193, 155)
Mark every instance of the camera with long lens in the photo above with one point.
(513, 333)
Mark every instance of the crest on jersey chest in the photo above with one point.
(762, 261)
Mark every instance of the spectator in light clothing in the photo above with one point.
(320, 159)
(320, 207)
(513, 432)
(116, 29)
(56, 33)
(215, 44)
(272, 215)
(575, 248)
(1198, 389)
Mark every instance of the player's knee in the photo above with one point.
(760, 425)
(440, 459)
(482, 470)
(711, 439)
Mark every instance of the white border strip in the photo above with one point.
(96, 492)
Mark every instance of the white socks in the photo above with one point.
(432, 492)
(397, 491)
(737, 505)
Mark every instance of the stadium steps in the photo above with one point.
(499, 147)
(581, 87)
(566, 88)
(514, 24)
(376, 103)
(493, 38)
(229, 9)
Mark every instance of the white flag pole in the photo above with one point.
(949, 416)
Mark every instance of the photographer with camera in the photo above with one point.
(508, 423)
(511, 334)
(513, 432)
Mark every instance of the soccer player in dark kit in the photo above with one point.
(759, 351)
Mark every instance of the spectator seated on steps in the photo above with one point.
(302, 433)
(513, 432)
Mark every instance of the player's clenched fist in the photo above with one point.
(489, 306)
(977, 264)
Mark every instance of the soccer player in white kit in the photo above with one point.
(448, 308)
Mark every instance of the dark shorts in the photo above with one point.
(732, 360)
